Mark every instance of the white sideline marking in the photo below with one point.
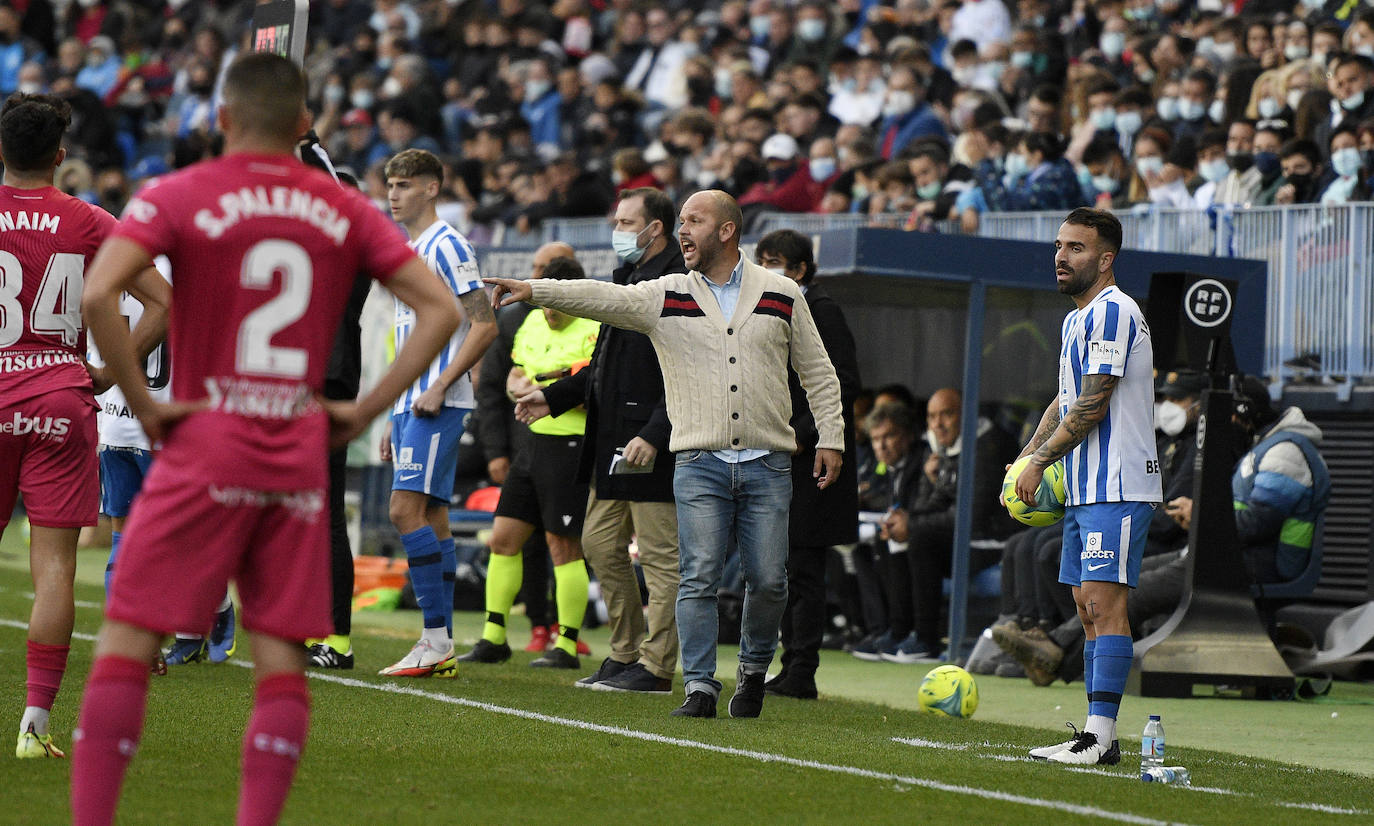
(768, 757)
(936, 744)
(79, 603)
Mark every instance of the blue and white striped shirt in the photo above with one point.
(449, 255)
(1116, 462)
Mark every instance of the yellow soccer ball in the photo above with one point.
(1048, 506)
(948, 691)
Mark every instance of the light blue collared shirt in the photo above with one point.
(727, 296)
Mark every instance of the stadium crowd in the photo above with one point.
(911, 112)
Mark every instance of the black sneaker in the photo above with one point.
(699, 704)
(792, 685)
(636, 678)
(748, 699)
(557, 658)
(486, 651)
(609, 668)
(322, 656)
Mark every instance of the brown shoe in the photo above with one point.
(1033, 649)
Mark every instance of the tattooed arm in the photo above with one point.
(1084, 414)
(1048, 422)
(481, 332)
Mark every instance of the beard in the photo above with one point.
(1077, 283)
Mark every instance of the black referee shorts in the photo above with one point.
(542, 490)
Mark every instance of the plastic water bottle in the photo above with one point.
(1152, 745)
(1177, 775)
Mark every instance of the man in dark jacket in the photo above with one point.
(502, 438)
(626, 457)
(820, 518)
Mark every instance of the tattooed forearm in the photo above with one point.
(1084, 414)
(1049, 421)
(477, 306)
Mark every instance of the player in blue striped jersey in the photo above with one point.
(1102, 426)
(429, 417)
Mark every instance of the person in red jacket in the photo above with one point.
(789, 187)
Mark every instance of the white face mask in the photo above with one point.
(822, 168)
(1148, 166)
(1224, 51)
(1167, 108)
(1128, 122)
(811, 30)
(1170, 418)
(777, 271)
(1293, 51)
(1217, 111)
(1213, 171)
(1112, 44)
(1269, 107)
(899, 103)
(1295, 97)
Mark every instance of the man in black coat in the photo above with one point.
(820, 519)
(502, 437)
(627, 425)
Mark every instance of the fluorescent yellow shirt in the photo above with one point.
(539, 349)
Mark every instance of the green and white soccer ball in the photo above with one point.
(1048, 507)
(948, 691)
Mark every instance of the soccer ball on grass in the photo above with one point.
(948, 691)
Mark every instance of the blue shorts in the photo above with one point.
(424, 451)
(121, 478)
(1104, 542)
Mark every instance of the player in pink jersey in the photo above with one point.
(265, 250)
(47, 409)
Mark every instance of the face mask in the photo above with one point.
(899, 103)
(928, 192)
(1128, 122)
(1346, 161)
(822, 168)
(1106, 183)
(995, 68)
(384, 63)
(1085, 177)
(1167, 108)
(1149, 166)
(1366, 49)
(811, 30)
(1300, 184)
(201, 89)
(1267, 163)
(1191, 109)
(965, 75)
(724, 82)
(1269, 107)
(334, 93)
(1214, 170)
(534, 89)
(1170, 418)
(361, 99)
(1294, 98)
(1206, 45)
(1294, 52)
(1112, 44)
(1103, 119)
(1146, 76)
(626, 245)
(1217, 111)
(1017, 167)
(1319, 58)
(860, 192)
(759, 26)
(1354, 101)
(1224, 51)
(30, 88)
(1022, 60)
(1240, 161)
(777, 271)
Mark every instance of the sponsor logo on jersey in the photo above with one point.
(49, 426)
(1097, 553)
(305, 505)
(260, 400)
(1099, 566)
(405, 461)
(1108, 352)
(1093, 540)
(23, 362)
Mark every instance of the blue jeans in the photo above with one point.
(715, 500)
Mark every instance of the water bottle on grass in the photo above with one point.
(1152, 745)
(1177, 775)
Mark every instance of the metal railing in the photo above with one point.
(1318, 307)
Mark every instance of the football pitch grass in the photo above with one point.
(511, 744)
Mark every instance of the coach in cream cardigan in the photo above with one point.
(724, 333)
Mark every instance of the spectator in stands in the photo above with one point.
(789, 187)
(1037, 177)
(1302, 168)
(937, 188)
(541, 106)
(1211, 166)
(1269, 141)
(399, 131)
(1243, 182)
(1196, 93)
(906, 114)
(102, 66)
(656, 69)
(1348, 82)
(1348, 177)
(1044, 110)
(1109, 174)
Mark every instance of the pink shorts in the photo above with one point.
(48, 453)
(187, 538)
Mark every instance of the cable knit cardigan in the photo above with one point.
(725, 379)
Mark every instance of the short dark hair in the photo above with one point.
(1047, 93)
(1212, 137)
(1304, 147)
(31, 129)
(897, 413)
(792, 247)
(1101, 151)
(1107, 226)
(656, 206)
(412, 163)
(564, 268)
(267, 94)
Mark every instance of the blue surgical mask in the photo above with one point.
(1167, 108)
(1267, 163)
(1353, 102)
(1191, 109)
(1269, 107)
(1112, 44)
(1017, 167)
(1217, 111)
(758, 26)
(1152, 165)
(1103, 119)
(626, 245)
(1106, 183)
(928, 192)
(1022, 60)
(536, 89)
(1346, 161)
(1214, 170)
(822, 168)
(811, 30)
(1128, 122)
